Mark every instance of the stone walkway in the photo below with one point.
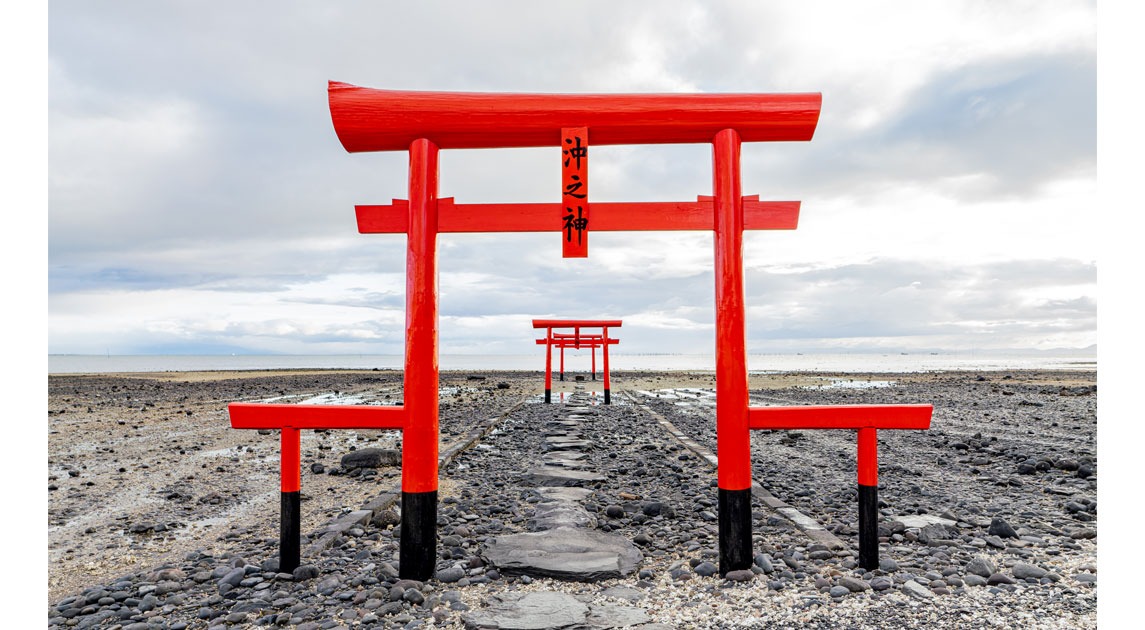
(563, 543)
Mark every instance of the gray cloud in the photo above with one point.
(1003, 129)
(191, 150)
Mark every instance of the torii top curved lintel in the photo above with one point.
(368, 119)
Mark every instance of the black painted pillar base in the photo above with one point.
(418, 550)
(607, 397)
(869, 527)
(735, 530)
(562, 376)
(289, 533)
(548, 396)
(594, 376)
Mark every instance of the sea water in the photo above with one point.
(574, 363)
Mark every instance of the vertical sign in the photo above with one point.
(574, 192)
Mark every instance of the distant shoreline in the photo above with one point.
(576, 361)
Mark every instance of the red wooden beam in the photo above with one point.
(606, 216)
(582, 337)
(278, 416)
(368, 119)
(576, 323)
(573, 344)
(841, 417)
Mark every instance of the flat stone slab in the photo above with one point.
(553, 476)
(567, 553)
(531, 611)
(567, 456)
(615, 616)
(549, 609)
(624, 592)
(572, 495)
(922, 520)
(565, 438)
(554, 514)
(564, 462)
(570, 445)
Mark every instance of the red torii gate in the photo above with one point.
(422, 123)
(576, 340)
(591, 344)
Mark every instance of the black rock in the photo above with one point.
(385, 517)
(305, 572)
(999, 527)
(652, 508)
(371, 458)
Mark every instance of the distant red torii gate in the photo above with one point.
(576, 339)
(422, 123)
(592, 345)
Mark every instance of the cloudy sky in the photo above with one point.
(200, 202)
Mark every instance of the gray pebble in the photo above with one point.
(981, 565)
(1021, 570)
(450, 574)
(305, 572)
(975, 580)
(1086, 578)
(999, 578)
(881, 583)
(743, 575)
(706, 569)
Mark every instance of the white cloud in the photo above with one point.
(199, 198)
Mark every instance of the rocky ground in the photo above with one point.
(161, 516)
